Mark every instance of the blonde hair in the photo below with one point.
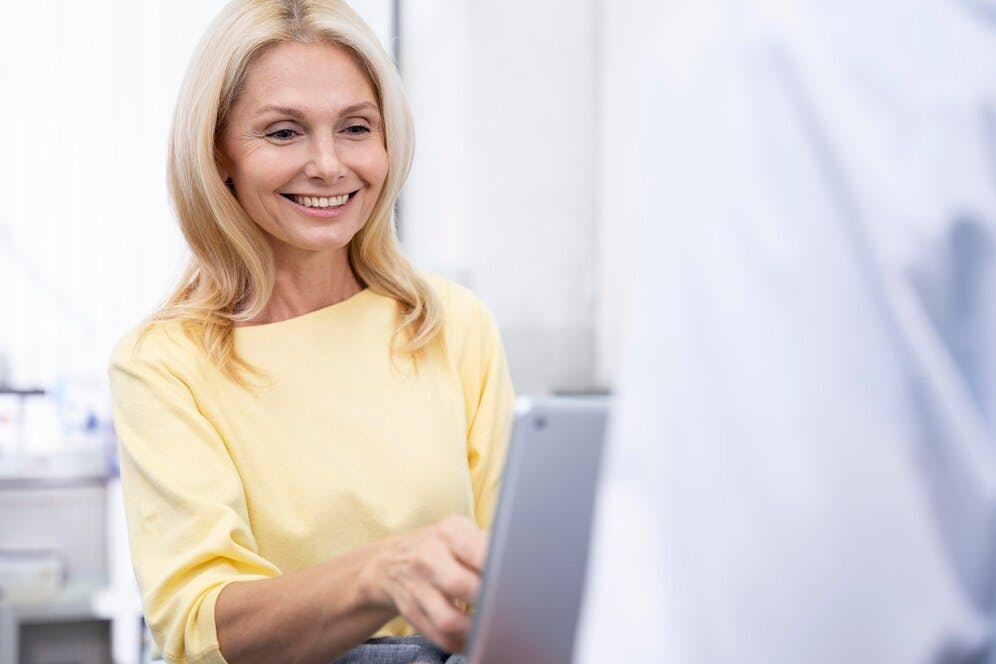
(230, 275)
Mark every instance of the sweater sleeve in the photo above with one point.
(490, 403)
(185, 504)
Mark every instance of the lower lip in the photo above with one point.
(322, 213)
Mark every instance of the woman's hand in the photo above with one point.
(429, 574)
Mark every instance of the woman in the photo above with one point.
(311, 434)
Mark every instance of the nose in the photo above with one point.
(323, 161)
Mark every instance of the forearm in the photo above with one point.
(309, 616)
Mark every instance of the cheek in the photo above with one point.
(378, 173)
(371, 164)
(264, 169)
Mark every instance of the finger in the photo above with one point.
(436, 564)
(449, 625)
(468, 543)
(455, 580)
(411, 610)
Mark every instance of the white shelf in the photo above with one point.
(66, 467)
(73, 601)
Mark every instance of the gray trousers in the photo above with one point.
(399, 650)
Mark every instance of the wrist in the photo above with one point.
(371, 586)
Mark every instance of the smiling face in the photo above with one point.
(304, 147)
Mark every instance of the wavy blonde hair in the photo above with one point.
(230, 275)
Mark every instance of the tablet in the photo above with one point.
(534, 576)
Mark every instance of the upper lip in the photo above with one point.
(343, 193)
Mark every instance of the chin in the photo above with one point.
(326, 242)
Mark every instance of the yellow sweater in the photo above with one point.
(345, 445)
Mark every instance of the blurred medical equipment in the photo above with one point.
(66, 587)
(31, 575)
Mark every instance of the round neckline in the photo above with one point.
(305, 317)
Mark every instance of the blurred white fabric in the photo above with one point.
(802, 465)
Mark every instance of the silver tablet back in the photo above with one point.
(533, 582)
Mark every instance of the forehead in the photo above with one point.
(306, 76)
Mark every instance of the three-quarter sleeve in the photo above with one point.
(185, 504)
(490, 404)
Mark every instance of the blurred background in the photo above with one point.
(525, 188)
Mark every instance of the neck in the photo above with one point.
(307, 284)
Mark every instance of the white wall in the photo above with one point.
(434, 218)
(528, 184)
(502, 196)
(628, 41)
(87, 244)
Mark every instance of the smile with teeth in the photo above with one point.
(320, 201)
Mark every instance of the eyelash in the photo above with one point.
(349, 130)
(274, 136)
(365, 130)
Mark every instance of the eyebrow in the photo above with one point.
(298, 115)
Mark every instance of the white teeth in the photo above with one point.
(320, 201)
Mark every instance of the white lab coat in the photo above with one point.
(802, 465)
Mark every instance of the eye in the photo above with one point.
(282, 134)
(357, 129)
